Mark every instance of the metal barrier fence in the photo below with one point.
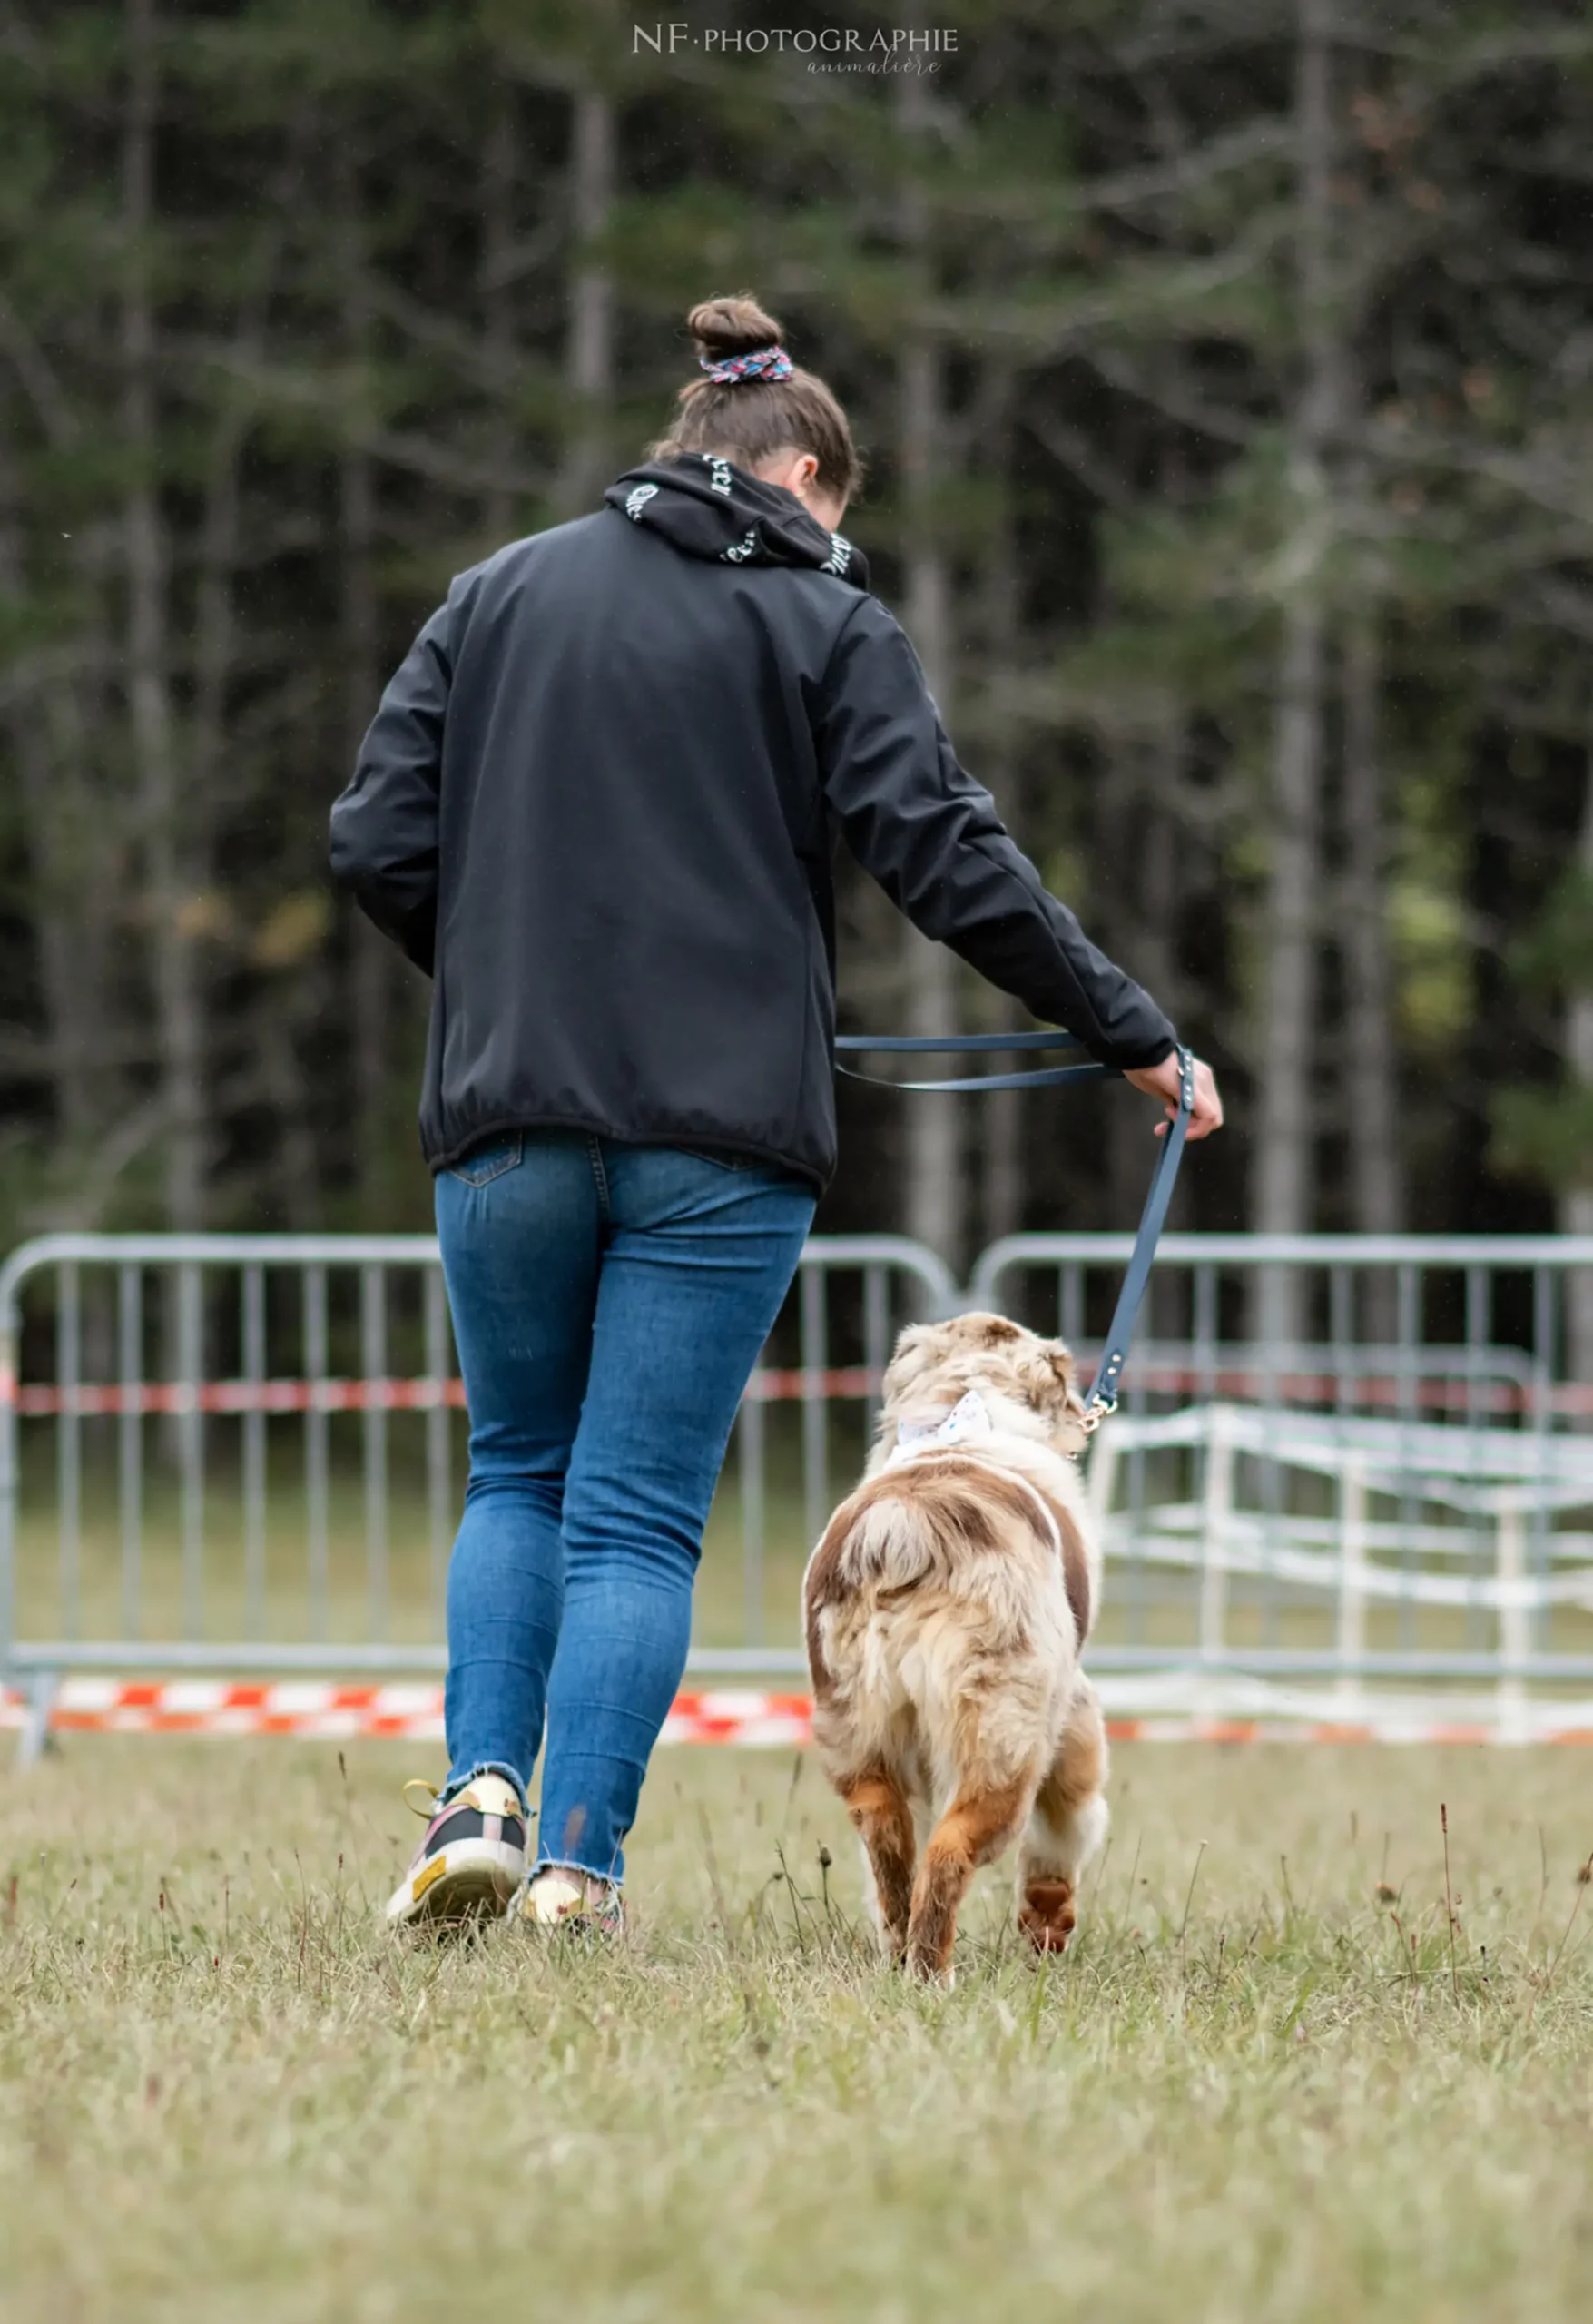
(1404, 1498)
(235, 1452)
(245, 1454)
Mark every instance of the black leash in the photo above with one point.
(1103, 1395)
(1045, 1077)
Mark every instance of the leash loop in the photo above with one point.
(1103, 1394)
(1045, 1077)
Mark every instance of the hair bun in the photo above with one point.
(726, 327)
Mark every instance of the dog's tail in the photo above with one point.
(888, 1545)
(910, 1525)
(871, 1542)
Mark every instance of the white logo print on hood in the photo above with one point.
(706, 507)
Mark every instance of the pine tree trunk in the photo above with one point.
(179, 1015)
(1284, 1182)
(1377, 1193)
(589, 349)
(932, 1145)
(498, 304)
(73, 1007)
(1116, 839)
(1284, 1171)
(59, 854)
(371, 965)
(1001, 1152)
(296, 1166)
(933, 1140)
(215, 641)
(1576, 1202)
(1161, 761)
(1155, 957)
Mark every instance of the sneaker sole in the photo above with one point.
(471, 1880)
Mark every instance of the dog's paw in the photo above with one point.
(928, 1974)
(1047, 1916)
(926, 1968)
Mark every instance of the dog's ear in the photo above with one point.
(915, 1351)
(1051, 1380)
(1071, 1432)
(1065, 1371)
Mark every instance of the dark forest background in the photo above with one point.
(1226, 373)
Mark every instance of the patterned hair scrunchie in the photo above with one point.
(761, 363)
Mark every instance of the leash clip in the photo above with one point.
(1103, 1399)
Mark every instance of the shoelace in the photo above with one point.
(429, 1805)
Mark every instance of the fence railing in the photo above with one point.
(245, 1454)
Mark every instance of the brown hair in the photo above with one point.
(749, 420)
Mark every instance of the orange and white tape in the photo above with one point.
(105, 1399)
(311, 1708)
(1396, 1729)
(318, 1710)
(1388, 1391)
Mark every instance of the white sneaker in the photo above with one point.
(560, 1896)
(471, 1860)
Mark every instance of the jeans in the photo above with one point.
(609, 1304)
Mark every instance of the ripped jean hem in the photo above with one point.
(575, 1864)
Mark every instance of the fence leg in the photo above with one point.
(753, 1479)
(1098, 1478)
(36, 1738)
(1513, 1623)
(1351, 1638)
(1214, 1548)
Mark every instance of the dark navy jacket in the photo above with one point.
(598, 805)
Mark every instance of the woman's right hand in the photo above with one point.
(1162, 1081)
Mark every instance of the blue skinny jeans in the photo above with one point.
(609, 1304)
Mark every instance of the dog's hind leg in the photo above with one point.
(975, 1828)
(1066, 1824)
(879, 1809)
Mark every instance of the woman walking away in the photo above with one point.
(596, 806)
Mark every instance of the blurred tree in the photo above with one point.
(1224, 369)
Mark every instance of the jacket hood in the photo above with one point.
(709, 507)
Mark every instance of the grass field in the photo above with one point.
(1259, 2088)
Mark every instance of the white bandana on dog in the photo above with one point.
(968, 1423)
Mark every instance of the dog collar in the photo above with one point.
(968, 1423)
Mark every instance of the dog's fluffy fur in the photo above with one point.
(945, 1610)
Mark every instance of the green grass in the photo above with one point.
(223, 2093)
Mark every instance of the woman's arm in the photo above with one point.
(384, 828)
(931, 835)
